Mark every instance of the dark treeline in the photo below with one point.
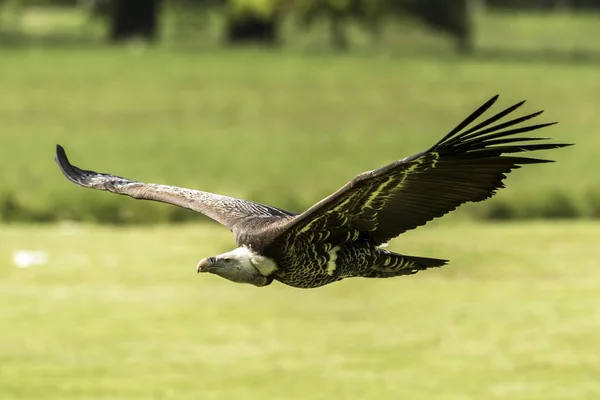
(260, 21)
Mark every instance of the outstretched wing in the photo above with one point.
(229, 211)
(467, 165)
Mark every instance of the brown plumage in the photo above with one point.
(339, 237)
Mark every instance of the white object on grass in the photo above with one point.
(28, 258)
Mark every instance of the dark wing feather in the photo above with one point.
(231, 212)
(467, 165)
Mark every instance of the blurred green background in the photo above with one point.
(283, 102)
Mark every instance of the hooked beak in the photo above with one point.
(203, 265)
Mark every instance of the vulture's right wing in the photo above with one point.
(228, 211)
(466, 165)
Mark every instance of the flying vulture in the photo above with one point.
(343, 235)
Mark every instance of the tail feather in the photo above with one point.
(394, 264)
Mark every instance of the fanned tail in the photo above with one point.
(394, 264)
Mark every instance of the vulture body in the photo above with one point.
(342, 235)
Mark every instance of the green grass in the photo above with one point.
(275, 127)
(121, 314)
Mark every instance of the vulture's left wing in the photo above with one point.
(467, 165)
(229, 211)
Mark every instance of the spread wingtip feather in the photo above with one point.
(71, 172)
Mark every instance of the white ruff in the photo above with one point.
(264, 265)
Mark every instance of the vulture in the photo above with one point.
(345, 234)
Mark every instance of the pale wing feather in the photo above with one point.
(231, 212)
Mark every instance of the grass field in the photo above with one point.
(121, 314)
(279, 128)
